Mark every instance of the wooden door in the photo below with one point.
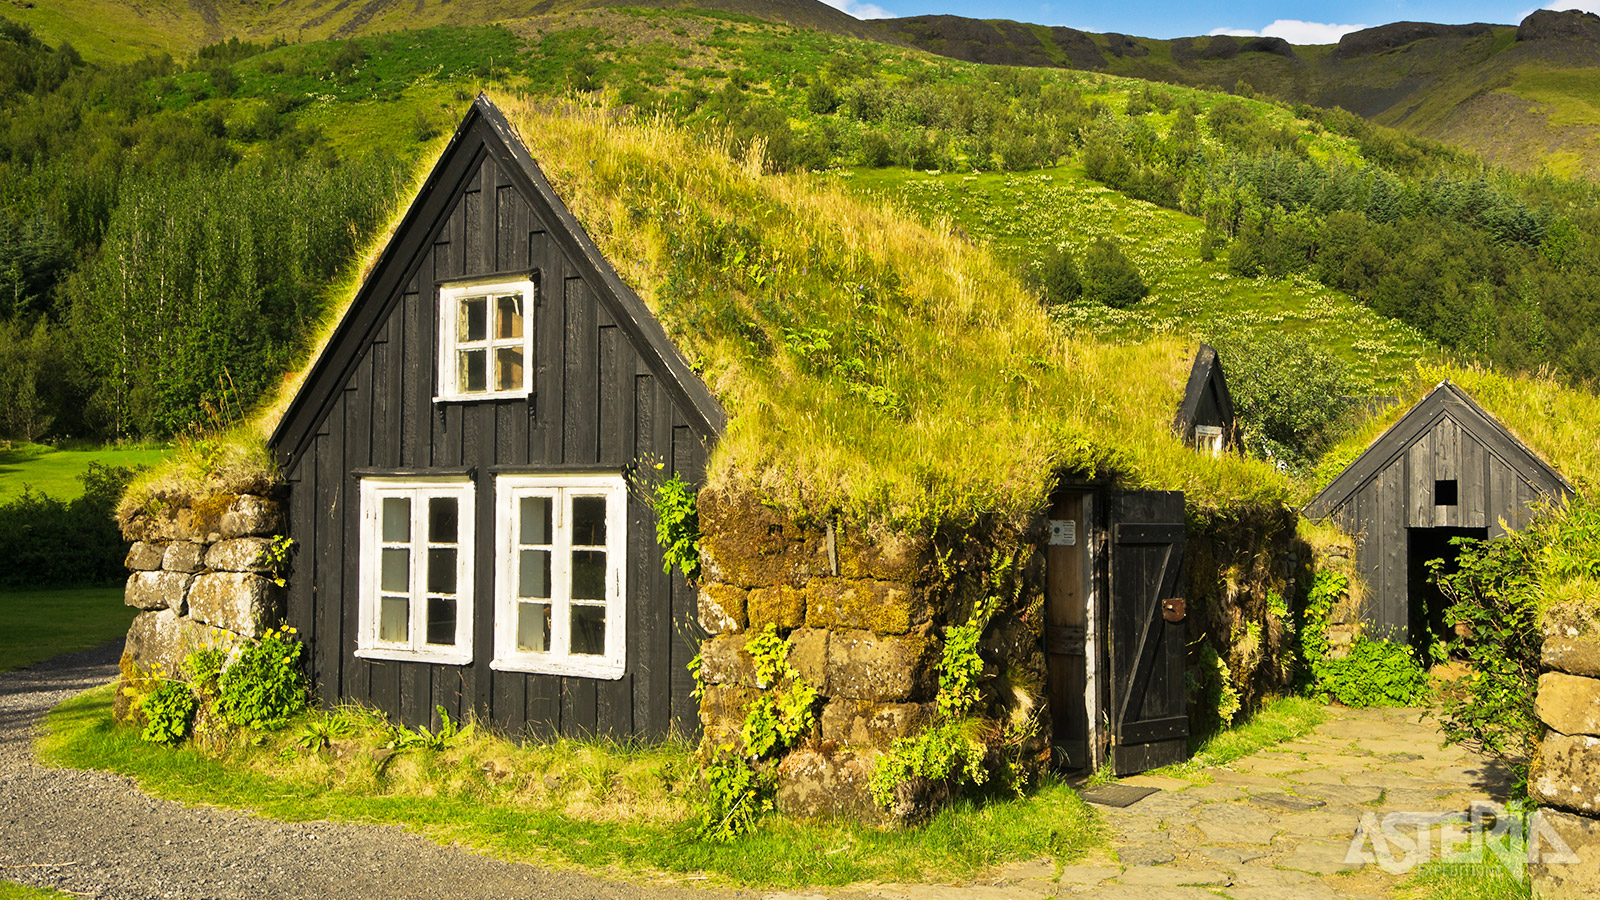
(1069, 592)
(1149, 718)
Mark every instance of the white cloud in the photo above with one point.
(1563, 5)
(860, 10)
(1297, 32)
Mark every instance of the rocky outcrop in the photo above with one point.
(1371, 41)
(1566, 25)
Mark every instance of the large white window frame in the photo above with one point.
(396, 565)
(486, 344)
(548, 529)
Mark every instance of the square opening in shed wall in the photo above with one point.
(1445, 492)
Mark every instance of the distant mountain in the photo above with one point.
(1527, 97)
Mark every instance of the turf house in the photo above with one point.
(915, 505)
(1447, 469)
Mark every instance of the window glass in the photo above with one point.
(442, 520)
(474, 319)
(396, 573)
(507, 368)
(473, 376)
(508, 316)
(535, 520)
(588, 575)
(533, 627)
(442, 620)
(588, 630)
(394, 620)
(589, 521)
(534, 574)
(441, 570)
(396, 519)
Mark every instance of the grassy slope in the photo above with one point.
(10, 890)
(36, 625)
(1024, 213)
(616, 809)
(46, 470)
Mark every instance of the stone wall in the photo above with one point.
(864, 613)
(199, 576)
(1565, 775)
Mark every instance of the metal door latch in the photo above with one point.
(1172, 609)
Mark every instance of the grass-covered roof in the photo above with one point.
(870, 364)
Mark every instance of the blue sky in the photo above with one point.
(1299, 21)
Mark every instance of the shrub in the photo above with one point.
(1289, 396)
(168, 713)
(47, 542)
(262, 685)
(1110, 277)
(1058, 277)
(1374, 673)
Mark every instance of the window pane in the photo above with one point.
(507, 368)
(533, 574)
(394, 620)
(589, 521)
(535, 520)
(589, 630)
(396, 569)
(508, 316)
(396, 519)
(473, 375)
(533, 627)
(441, 570)
(474, 324)
(588, 575)
(441, 620)
(442, 520)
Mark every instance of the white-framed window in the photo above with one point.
(486, 340)
(559, 579)
(1208, 439)
(416, 569)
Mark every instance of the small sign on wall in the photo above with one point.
(1063, 532)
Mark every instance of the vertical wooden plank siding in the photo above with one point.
(597, 400)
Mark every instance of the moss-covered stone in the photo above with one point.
(724, 660)
(883, 607)
(245, 515)
(162, 640)
(241, 602)
(158, 590)
(724, 705)
(808, 654)
(862, 723)
(750, 545)
(1573, 655)
(239, 555)
(184, 556)
(1566, 773)
(886, 668)
(144, 556)
(816, 785)
(722, 608)
(782, 606)
(881, 555)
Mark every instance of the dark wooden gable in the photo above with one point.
(1446, 469)
(1206, 400)
(609, 391)
(1447, 436)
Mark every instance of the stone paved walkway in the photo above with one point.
(1273, 826)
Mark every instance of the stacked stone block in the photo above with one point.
(199, 576)
(1565, 776)
(858, 612)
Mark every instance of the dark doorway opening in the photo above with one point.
(1427, 602)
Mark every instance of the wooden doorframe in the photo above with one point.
(1074, 626)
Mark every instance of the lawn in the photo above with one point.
(46, 470)
(36, 625)
(597, 805)
(10, 890)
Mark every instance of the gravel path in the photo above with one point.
(95, 834)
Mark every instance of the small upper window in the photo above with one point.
(1208, 439)
(1445, 492)
(485, 340)
(416, 570)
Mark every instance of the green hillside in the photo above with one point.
(125, 185)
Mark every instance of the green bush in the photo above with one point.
(1374, 673)
(1501, 591)
(47, 542)
(263, 685)
(1058, 277)
(1110, 277)
(1289, 395)
(168, 713)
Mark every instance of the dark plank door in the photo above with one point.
(1150, 722)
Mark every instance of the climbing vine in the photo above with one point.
(1372, 673)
